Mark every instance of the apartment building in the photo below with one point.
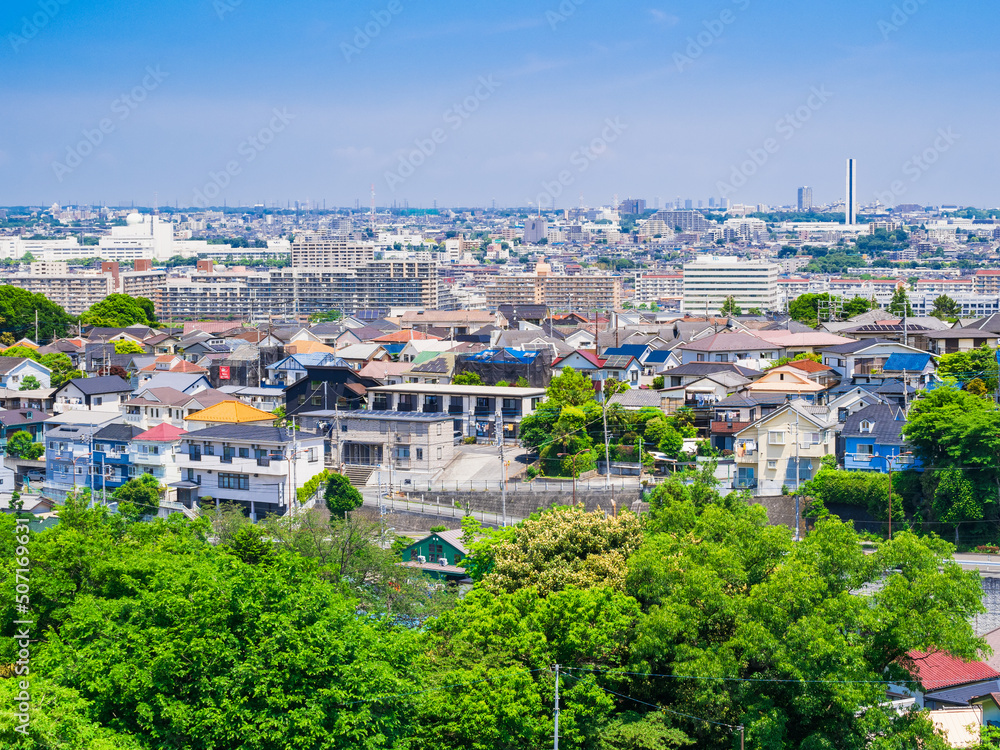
(709, 281)
(74, 292)
(557, 291)
(951, 287)
(314, 250)
(987, 281)
(650, 287)
(881, 290)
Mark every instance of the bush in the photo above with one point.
(988, 549)
(436, 529)
(532, 472)
(469, 441)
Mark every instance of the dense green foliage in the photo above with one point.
(670, 630)
(61, 366)
(964, 367)
(467, 378)
(30, 383)
(120, 311)
(805, 307)
(127, 346)
(340, 497)
(17, 315)
(21, 445)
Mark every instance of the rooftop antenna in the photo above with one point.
(373, 209)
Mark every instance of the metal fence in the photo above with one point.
(534, 486)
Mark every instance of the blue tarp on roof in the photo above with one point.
(909, 362)
(657, 356)
(491, 355)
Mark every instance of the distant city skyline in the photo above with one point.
(236, 101)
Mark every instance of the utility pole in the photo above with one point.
(555, 745)
(741, 737)
(607, 453)
(796, 475)
(503, 470)
(36, 326)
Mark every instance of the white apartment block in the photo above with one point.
(881, 290)
(710, 280)
(650, 287)
(312, 250)
(951, 287)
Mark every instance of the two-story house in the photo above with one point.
(68, 449)
(152, 406)
(439, 554)
(104, 394)
(13, 371)
(294, 367)
(873, 440)
(863, 361)
(782, 449)
(111, 464)
(255, 466)
(31, 421)
(473, 408)
(155, 452)
(328, 388)
(737, 346)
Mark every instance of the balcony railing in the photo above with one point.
(720, 427)
(263, 461)
(746, 483)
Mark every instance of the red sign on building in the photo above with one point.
(223, 373)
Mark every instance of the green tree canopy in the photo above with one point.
(570, 387)
(21, 445)
(127, 346)
(61, 366)
(900, 303)
(946, 308)
(978, 363)
(340, 497)
(138, 497)
(17, 315)
(119, 311)
(30, 383)
(467, 378)
(729, 307)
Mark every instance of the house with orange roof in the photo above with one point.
(227, 413)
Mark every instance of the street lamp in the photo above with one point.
(574, 456)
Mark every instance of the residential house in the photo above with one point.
(68, 448)
(335, 388)
(688, 373)
(293, 368)
(184, 382)
(782, 449)
(473, 408)
(739, 347)
(42, 399)
(358, 355)
(110, 462)
(406, 445)
(873, 440)
(915, 369)
(152, 406)
(154, 452)
(107, 393)
(14, 370)
(456, 322)
(947, 681)
(439, 368)
(439, 554)
(414, 348)
(863, 361)
(388, 373)
(256, 466)
(229, 412)
(31, 421)
(961, 340)
(621, 367)
(794, 382)
(266, 398)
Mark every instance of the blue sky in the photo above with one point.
(247, 101)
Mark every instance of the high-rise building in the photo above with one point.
(632, 206)
(558, 291)
(851, 202)
(805, 198)
(535, 230)
(688, 204)
(709, 281)
(711, 202)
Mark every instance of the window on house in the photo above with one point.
(313, 455)
(234, 481)
(439, 454)
(866, 426)
(420, 454)
(776, 438)
(865, 449)
(435, 551)
(243, 452)
(772, 464)
(98, 401)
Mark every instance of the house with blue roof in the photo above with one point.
(873, 440)
(639, 351)
(915, 369)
